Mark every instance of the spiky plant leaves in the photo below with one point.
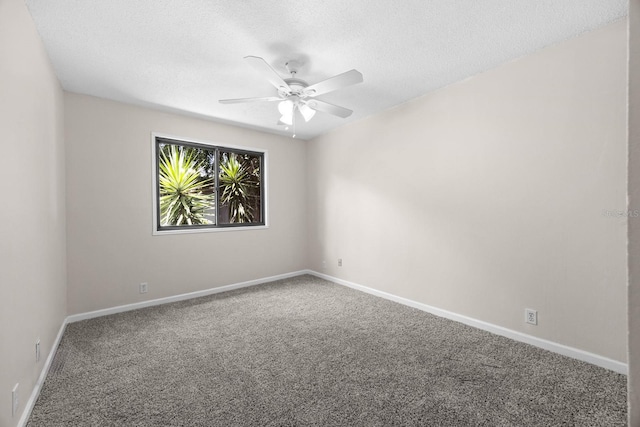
(237, 186)
(184, 199)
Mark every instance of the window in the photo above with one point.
(202, 187)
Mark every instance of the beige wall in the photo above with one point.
(634, 205)
(109, 210)
(32, 218)
(486, 197)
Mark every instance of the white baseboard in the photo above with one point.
(26, 413)
(585, 356)
(181, 297)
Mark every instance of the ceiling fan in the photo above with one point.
(297, 95)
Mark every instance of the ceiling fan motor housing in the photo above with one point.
(297, 87)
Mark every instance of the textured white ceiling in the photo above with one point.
(185, 55)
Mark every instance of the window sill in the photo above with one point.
(208, 230)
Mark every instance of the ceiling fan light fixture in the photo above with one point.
(287, 120)
(306, 111)
(286, 108)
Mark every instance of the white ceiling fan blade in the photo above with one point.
(269, 73)
(325, 107)
(306, 111)
(334, 83)
(239, 100)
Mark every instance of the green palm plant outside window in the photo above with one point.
(186, 190)
(239, 183)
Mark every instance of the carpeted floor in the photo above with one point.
(306, 352)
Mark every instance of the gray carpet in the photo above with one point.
(306, 352)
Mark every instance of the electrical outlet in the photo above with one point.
(324, 265)
(144, 287)
(530, 316)
(38, 350)
(339, 262)
(14, 400)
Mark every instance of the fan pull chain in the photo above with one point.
(294, 121)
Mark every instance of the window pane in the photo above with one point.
(186, 185)
(240, 186)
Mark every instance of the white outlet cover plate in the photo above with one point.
(531, 316)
